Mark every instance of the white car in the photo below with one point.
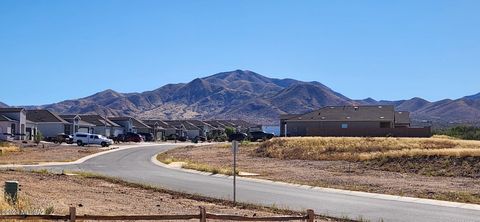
(83, 139)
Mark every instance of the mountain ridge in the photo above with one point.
(244, 94)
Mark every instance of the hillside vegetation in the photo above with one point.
(462, 132)
(363, 149)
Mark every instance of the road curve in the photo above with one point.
(135, 165)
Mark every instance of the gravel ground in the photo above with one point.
(336, 174)
(101, 197)
(48, 153)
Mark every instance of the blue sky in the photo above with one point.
(56, 50)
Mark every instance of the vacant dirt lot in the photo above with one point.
(49, 153)
(102, 197)
(352, 175)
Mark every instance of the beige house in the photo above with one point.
(13, 124)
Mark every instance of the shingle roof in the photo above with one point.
(136, 122)
(44, 116)
(159, 123)
(97, 120)
(7, 110)
(5, 119)
(241, 123)
(70, 119)
(182, 124)
(139, 124)
(402, 117)
(215, 123)
(200, 123)
(349, 113)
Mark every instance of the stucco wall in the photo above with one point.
(51, 129)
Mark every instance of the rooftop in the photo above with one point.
(44, 116)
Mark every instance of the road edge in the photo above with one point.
(81, 160)
(389, 197)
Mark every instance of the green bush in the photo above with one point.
(462, 132)
(229, 131)
(38, 137)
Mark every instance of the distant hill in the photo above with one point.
(2, 105)
(243, 94)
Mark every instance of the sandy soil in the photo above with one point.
(336, 174)
(49, 153)
(100, 197)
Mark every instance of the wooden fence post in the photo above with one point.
(203, 214)
(73, 214)
(310, 215)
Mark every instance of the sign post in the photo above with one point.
(234, 150)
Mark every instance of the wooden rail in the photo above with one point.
(202, 217)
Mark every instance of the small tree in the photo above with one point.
(38, 137)
(229, 131)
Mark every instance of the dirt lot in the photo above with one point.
(105, 197)
(48, 153)
(352, 175)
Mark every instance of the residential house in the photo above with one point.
(205, 128)
(13, 124)
(131, 124)
(158, 128)
(381, 120)
(101, 125)
(188, 129)
(77, 125)
(49, 124)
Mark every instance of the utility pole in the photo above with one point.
(105, 125)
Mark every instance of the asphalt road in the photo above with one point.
(135, 165)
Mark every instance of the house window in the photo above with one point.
(12, 129)
(384, 124)
(66, 129)
(344, 125)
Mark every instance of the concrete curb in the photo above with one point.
(331, 190)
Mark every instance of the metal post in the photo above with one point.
(72, 214)
(105, 125)
(235, 148)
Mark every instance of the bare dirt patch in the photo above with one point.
(351, 175)
(40, 154)
(103, 197)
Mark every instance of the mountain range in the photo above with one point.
(243, 94)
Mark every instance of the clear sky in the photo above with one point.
(55, 50)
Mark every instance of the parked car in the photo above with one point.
(83, 139)
(176, 137)
(182, 138)
(199, 139)
(260, 135)
(237, 137)
(130, 137)
(147, 136)
(63, 138)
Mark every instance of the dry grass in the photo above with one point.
(361, 149)
(192, 165)
(21, 206)
(8, 148)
